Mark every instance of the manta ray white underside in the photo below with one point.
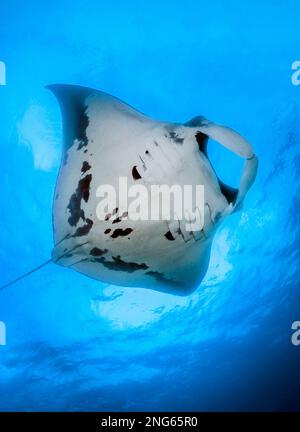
(105, 139)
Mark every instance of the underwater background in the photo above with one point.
(76, 344)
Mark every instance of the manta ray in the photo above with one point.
(105, 139)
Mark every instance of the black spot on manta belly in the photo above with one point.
(129, 267)
(109, 215)
(107, 231)
(135, 174)
(85, 229)
(119, 232)
(82, 124)
(75, 210)
(85, 167)
(120, 218)
(160, 277)
(74, 206)
(84, 187)
(119, 265)
(97, 252)
(175, 137)
(169, 236)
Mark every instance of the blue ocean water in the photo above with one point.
(76, 344)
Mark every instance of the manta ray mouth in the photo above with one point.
(229, 192)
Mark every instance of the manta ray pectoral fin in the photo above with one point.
(74, 117)
(75, 103)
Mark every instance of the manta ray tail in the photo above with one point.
(26, 274)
